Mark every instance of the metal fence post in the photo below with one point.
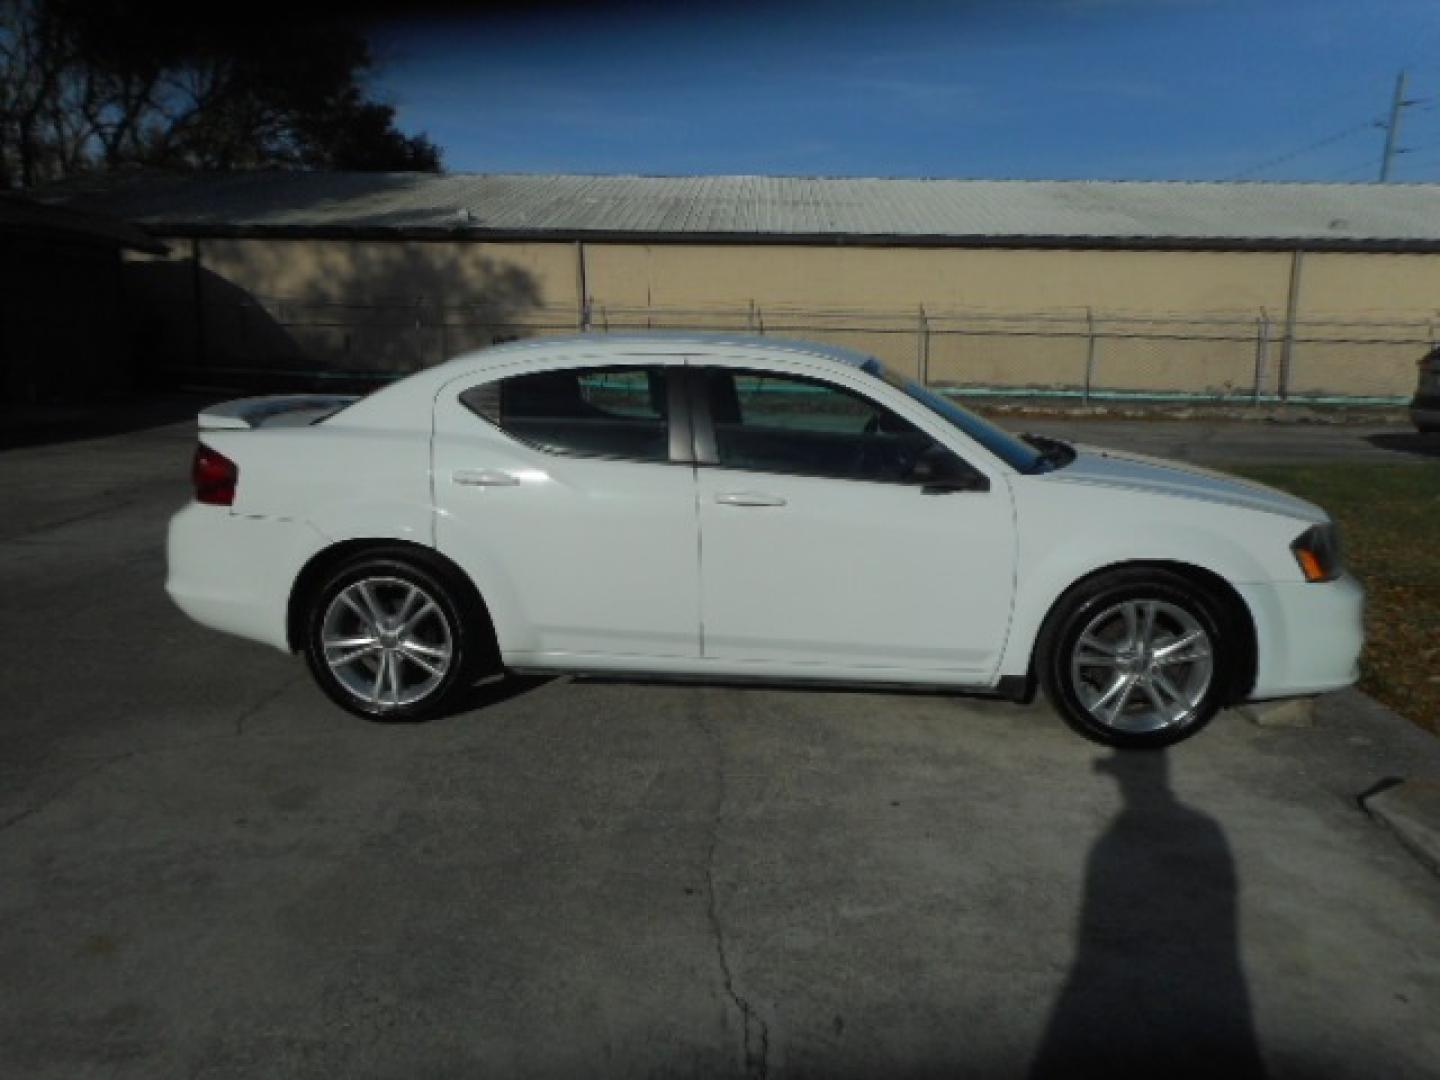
(582, 289)
(1089, 354)
(1262, 353)
(197, 284)
(750, 318)
(1292, 309)
(922, 347)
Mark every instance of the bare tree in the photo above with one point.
(86, 86)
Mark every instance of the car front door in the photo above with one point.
(569, 497)
(823, 544)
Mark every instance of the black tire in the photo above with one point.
(457, 623)
(1169, 598)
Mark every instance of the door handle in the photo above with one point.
(748, 498)
(484, 478)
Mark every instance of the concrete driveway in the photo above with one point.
(206, 870)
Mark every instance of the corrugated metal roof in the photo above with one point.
(756, 207)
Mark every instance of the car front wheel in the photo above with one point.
(1135, 658)
(386, 640)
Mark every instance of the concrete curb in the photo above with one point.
(1411, 810)
(1292, 712)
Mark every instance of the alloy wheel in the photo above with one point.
(387, 642)
(1141, 666)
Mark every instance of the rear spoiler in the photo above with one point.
(277, 410)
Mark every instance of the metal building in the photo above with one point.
(1251, 291)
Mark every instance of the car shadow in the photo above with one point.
(495, 691)
(1156, 987)
(780, 685)
(1406, 442)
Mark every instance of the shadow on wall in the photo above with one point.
(354, 316)
(1156, 988)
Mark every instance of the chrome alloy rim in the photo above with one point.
(1142, 665)
(386, 641)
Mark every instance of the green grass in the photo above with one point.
(1389, 517)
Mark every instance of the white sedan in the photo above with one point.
(745, 509)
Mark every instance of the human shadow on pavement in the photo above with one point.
(1156, 988)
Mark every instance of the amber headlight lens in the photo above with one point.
(1317, 550)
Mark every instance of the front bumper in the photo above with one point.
(1308, 636)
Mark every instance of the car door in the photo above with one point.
(568, 495)
(823, 549)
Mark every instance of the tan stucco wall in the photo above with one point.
(941, 279)
(375, 304)
(1355, 285)
(510, 276)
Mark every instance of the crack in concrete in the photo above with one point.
(260, 705)
(61, 791)
(754, 1030)
(102, 763)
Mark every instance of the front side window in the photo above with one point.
(614, 412)
(790, 424)
(1014, 452)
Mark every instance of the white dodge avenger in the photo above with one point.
(745, 509)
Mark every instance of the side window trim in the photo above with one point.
(704, 449)
(681, 418)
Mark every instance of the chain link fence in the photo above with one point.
(1086, 355)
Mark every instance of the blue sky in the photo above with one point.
(1036, 89)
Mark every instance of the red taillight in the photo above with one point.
(215, 477)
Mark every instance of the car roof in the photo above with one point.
(661, 342)
(394, 404)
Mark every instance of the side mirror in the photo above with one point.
(939, 472)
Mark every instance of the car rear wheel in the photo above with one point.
(1135, 658)
(387, 640)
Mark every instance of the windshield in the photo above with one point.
(1017, 454)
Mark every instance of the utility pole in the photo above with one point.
(1392, 128)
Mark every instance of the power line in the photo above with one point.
(1307, 148)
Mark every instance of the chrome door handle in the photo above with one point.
(748, 498)
(484, 478)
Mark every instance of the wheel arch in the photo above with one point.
(1237, 619)
(323, 562)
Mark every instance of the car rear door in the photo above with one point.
(821, 550)
(566, 491)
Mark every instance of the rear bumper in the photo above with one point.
(235, 573)
(1308, 636)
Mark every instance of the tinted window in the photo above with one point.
(783, 423)
(614, 412)
(1015, 453)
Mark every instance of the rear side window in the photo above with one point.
(615, 412)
